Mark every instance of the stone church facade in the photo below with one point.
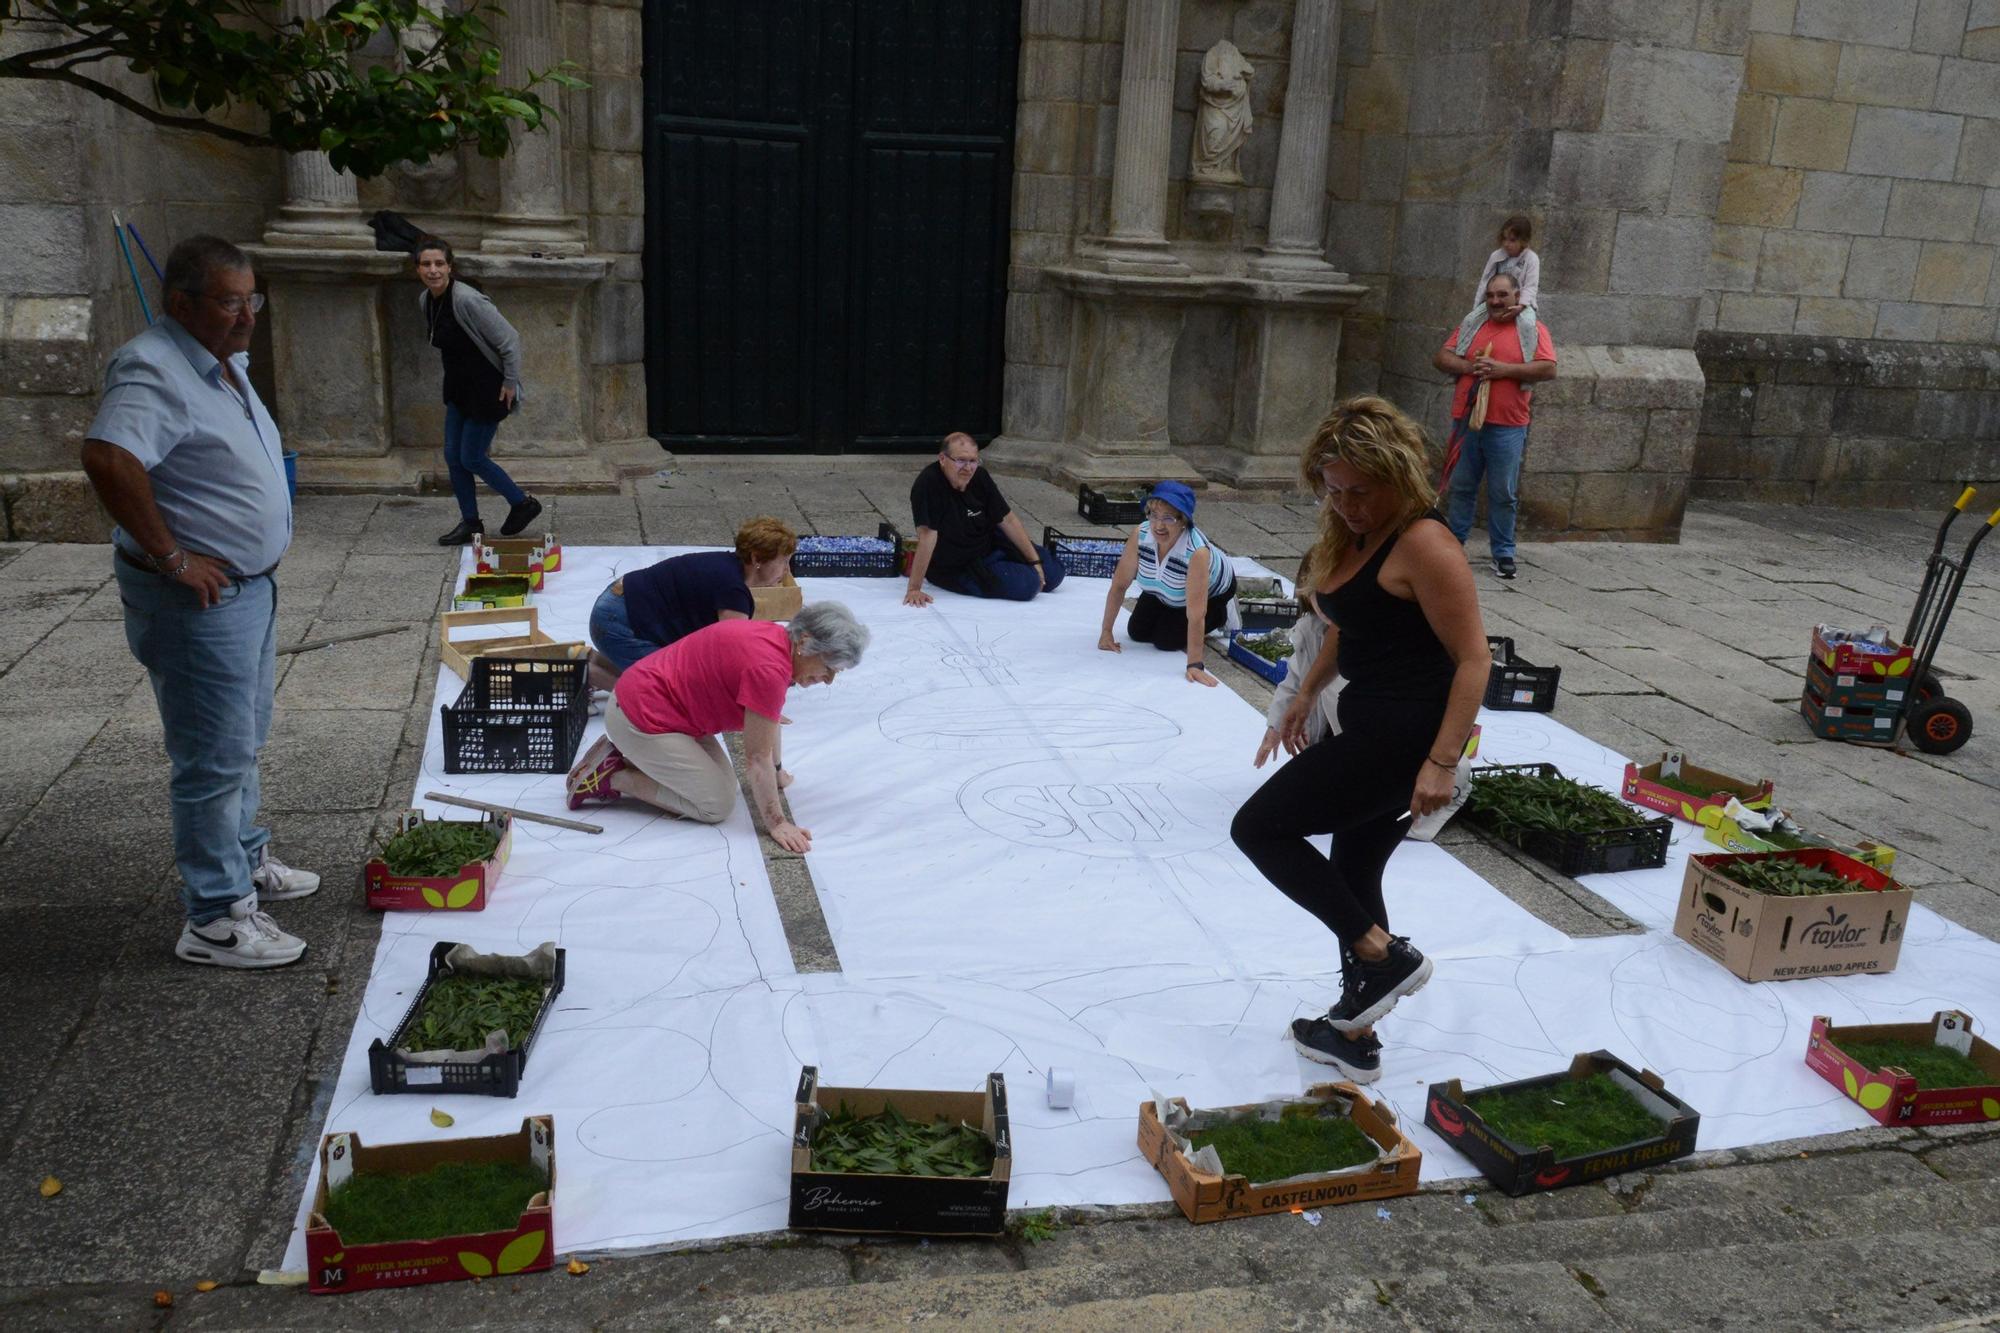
(1118, 239)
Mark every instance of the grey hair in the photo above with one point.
(195, 258)
(829, 631)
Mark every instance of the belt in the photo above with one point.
(146, 566)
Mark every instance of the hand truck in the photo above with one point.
(1937, 724)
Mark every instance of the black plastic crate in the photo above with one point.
(1517, 686)
(517, 715)
(1085, 557)
(492, 1076)
(1641, 845)
(882, 558)
(1098, 507)
(1262, 613)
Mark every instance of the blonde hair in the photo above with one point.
(1380, 441)
(764, 538)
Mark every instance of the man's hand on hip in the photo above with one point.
(206, 575)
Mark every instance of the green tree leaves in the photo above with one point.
(315, 81)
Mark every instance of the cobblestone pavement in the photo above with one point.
(179, 1105)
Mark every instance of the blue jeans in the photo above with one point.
(213, 673)
(611, 631)
(1006, 576)
(468, 448)
(1495, 451)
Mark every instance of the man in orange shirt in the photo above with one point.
(1493, 356)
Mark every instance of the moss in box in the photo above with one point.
(460, 1009)
(1270, 647)
(1302, 1141)
(1572, 1117)
(891, 1144)
(439, 847)
(452, 1199)
(1785, 878)
(1930, 1065)
(1516, 804)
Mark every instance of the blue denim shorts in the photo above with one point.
(611, 631)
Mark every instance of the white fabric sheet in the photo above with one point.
(1021, 846)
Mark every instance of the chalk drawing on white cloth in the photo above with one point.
(979, 661)
(1097, 807)
(979, 718)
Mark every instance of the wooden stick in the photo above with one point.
(442, 799)
(330, 640)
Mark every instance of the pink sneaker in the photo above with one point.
(589, 783)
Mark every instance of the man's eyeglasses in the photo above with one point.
(234, 306)
(962, 464)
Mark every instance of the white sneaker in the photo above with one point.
(244, 938)
(277, 882)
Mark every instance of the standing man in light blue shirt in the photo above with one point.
(185, 458)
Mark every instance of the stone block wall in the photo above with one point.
(1605, 123)
(1807, 419)
(68, 161)
(1861, 198)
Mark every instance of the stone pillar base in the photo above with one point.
(303, 227)
(329, 348)
(1285, 364)
(516, 234)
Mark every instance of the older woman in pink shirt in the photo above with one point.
(660, 726)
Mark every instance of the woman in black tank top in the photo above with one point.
(1390, 578)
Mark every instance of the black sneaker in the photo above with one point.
(1359, 1059)
(467, 529)
(1503, 566)
(1403, 972)
(520, 516)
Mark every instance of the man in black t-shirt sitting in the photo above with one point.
(968, 540)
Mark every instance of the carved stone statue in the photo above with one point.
(1222, 122)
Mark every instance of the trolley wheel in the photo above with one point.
(1940, 725)
(1929, 687)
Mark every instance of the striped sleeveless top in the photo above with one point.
(1167, 579)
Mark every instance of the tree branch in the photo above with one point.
(154, 114)
(29, 59)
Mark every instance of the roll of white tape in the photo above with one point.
(1062, 1088)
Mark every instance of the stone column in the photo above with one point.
(532, 218)
(322, 208)
(1297, 238)
(1138, 237)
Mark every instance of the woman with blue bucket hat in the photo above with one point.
(1185, 582)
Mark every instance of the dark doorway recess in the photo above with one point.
(827, 194)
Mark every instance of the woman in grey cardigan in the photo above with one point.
(482, 383)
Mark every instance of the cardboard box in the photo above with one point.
(1518, 1169)
(779, 603)
(1844, 659)
(1643, 787)
(1764, 938)
(510, 559)
(1890, 1094)
(1851, 690)
(1205, 1197)
(462, 891)
(481, 591)
(1866, 724)
(544, 548)
(901, 1205)
(527, 1247)
(1731, 836)
(458, 654)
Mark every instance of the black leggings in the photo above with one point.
(1354, 786)
(1166, 627)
